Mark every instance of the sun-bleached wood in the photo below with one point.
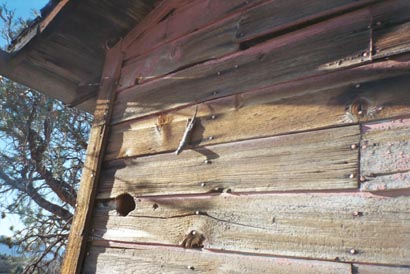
(378, 269)
(128, 258)
(385, 155)
(325, 101)
(347, 227)
(305, 161)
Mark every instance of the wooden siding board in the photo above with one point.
(198, 13)
(152, 260)
(346, 38)
(385, 155)
(91, 172)
(348, 227)
(378, 269)
(313, 160)
(391, 31)
(297, 106)
(225, 36)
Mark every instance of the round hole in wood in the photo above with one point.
(124, 204)
(360, 107)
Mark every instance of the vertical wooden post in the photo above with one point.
(95, 153)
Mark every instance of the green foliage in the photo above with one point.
(42, 152)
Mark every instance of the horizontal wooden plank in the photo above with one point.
(121, 258)
(385, 155)
(225, 36)
(172, 25)
(313, 160)
(345, 37)
(377, 269)
(347, 227)
(275, 16)
(391, 31)
(296, 106)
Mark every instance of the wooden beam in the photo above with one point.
(111, 257)
(346, 227)
(21, 70)
(91, 172)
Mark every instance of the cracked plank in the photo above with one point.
(347, 227)
(320, 159)
(385, 155)
(115, 258)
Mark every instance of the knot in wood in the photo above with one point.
(194, 239)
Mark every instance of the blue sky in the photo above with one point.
(24, 9)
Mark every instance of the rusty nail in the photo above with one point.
(353, 251)
(354, 146)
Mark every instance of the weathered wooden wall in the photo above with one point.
(299, 160)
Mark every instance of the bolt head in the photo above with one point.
(353, 251)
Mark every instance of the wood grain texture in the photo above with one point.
(391, 31)
(123, 258)
(313, 103)
(347, 227)
(313, 160)
(345, 37)
(95, 152)
(198, 13)
(225, 36)
(385, 155)
(377, 269)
